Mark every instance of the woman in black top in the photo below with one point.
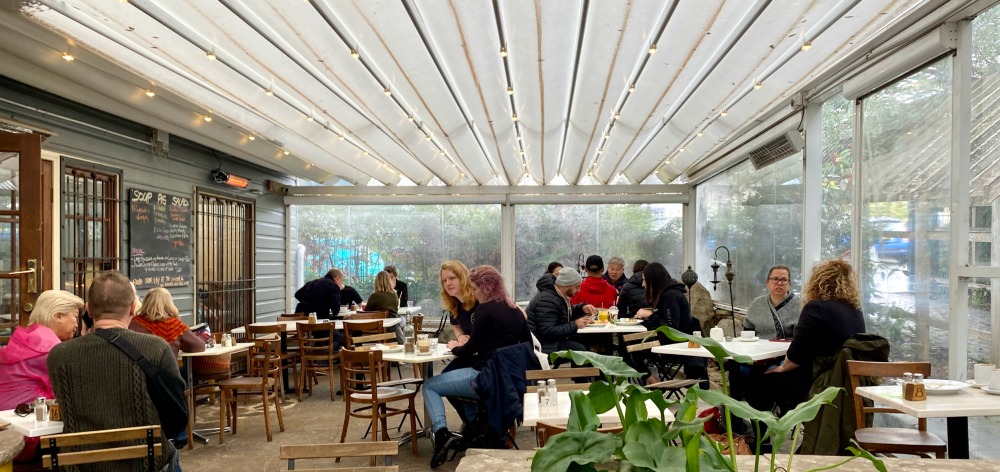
(830, 315)
(671, 308)
(498, 322)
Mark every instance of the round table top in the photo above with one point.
(11, 444)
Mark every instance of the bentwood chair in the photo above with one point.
(316, 356)
(385, 449)
(267, 356)
(288, 360)
(566, 373)
(891, 440)
(370, 315)
(361, 372)
(142, 442)
(639, 347)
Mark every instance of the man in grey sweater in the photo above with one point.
(773, 316)
(98, 386)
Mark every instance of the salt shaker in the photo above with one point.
(553, 394)
(227, 340)
(41, 410)
(543, 396)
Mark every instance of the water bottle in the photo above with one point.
(409, 341)
(41, 410)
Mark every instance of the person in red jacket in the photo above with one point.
(595, 290)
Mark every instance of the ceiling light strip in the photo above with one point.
(717, 56)
(337, 26)
(577, 57)
(666, 14)
(508, 77)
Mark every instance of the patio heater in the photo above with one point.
(730, 275)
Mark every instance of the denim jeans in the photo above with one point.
(457, 382)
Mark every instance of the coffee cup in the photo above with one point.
(747, 334)
(981, 373)
(995, 380)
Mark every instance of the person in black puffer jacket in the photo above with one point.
(552, 318)
(633, 296)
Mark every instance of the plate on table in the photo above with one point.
(388, 348)
(972, 383)
(941, 387)
(748, 340)
(597, 324)
(991, 391)
(629, 322)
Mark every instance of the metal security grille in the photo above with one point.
(90, 209)
(224, 235)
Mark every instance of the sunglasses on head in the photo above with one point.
(24, 409)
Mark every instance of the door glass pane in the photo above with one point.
(9, 254)
(906, 158)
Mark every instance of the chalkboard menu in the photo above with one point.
(160, 239)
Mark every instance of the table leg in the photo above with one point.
(189, 367)
(958, 437)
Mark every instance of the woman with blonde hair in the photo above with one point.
(384, 297)
(457, 298)
(24, 375)
(831, 314)
(159, 316)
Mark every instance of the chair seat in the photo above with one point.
(244, 382)
(385, 394)
(898, 439)
(399, 382)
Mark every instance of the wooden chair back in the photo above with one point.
(316, 340)
(255, 332)
(643, 341)
(353, 329)
(370, 315)
(360, 372)
(533, 376)
(146, 442)
(385, 449)
(293, 317)
(544, 431)
(860, 369)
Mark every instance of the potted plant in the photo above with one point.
(649, 443)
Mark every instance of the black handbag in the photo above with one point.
(167, 396)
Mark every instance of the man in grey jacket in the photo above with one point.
(551, 316)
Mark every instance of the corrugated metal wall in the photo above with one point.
(85, 134)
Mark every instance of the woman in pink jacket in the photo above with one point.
(23, 374)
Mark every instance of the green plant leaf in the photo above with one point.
(805, 411)
(720, 353)
(581, 413)
(610, 365)
(645, 448)
(602, 396)
(584, 447)
(859, 452)
(739, 408)
(635, 411)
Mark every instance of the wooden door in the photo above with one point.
(22, 270)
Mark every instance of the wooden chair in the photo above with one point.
(361, 372)
(145, 442)
(289, 360)
(891, 440)
(292, 338)
(316, 356)
(370, 315)
(385, 449)
(640, 346)
(267, 385)
(533, 376)
(353, 329)
(544, 431)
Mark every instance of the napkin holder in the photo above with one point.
(914, 392)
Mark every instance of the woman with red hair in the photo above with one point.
(497, 323)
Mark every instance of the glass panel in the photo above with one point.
(9, 248)
(838, 177)
(562, 232)
(361, 240)
(906, 157)
(757, 214)
(984, 188)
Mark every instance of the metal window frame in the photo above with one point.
(110, 238)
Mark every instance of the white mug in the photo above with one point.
(981, 373)
(717, 334)
(995, 380)
(747, 334)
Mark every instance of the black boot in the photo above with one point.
(442, 438)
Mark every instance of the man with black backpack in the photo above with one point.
(110, 379)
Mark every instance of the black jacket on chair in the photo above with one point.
(501, 385)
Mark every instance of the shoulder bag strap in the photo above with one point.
(128, 349)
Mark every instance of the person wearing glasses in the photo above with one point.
(773, 316)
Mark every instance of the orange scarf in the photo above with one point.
(169, 329)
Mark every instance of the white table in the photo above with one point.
(217, 350)
(441, 353)
(531, 414)
(27, 426)
(612, 328)
(956, 407)
(405, 310)
(756, 350)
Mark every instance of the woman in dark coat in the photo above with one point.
(670, 308)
